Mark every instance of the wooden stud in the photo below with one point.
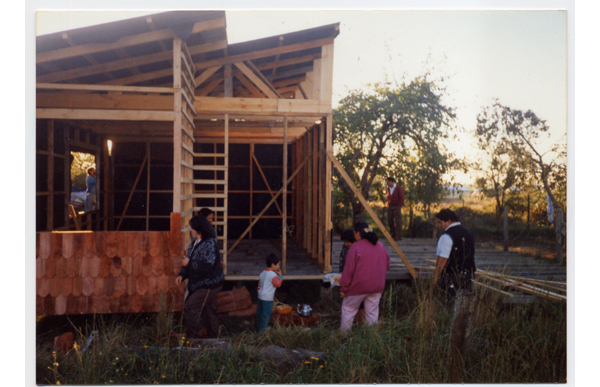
(177, 140)
(267, 206)
(328, 193)
(50, 175)
(284, 179)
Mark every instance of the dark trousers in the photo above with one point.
(395, 221)
(263, 314)
(453, 282)
(202, 305)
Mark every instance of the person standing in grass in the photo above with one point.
(395, 194)
(270, 279)
(202, 267)
(363, 278)
(455, 266)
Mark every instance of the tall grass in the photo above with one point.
(508, 344)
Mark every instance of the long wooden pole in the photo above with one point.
(284, 198)
(268, 205)
(367, 207)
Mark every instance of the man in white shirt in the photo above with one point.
(455, 266)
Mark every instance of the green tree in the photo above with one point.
(79, 166)
(378, 131)
(519, 133)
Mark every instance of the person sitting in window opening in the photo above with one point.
(90, 191)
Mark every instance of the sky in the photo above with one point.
(522, 66)
(518, 57)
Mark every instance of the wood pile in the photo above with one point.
(236, 302)
(507, 285)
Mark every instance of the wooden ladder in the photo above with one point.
(220, 193)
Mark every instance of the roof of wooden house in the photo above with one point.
(139, 52)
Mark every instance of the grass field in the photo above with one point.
(508, 344)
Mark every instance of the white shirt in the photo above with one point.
(392, 188)
(444, 245)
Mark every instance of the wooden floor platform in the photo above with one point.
(242, 266)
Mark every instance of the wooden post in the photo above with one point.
(50, 177)
(177, 156)
(106, 170)
(148, 186)
(505, 228)
(559, 224)
(328, 193)
(284, 197)
(462, 317)
(252, 185)
(228, 81)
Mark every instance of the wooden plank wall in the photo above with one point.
(183, 133)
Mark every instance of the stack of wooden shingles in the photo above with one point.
(236, 302)
(107, 272)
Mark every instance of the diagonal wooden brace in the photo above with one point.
(269, 204)
(362, 200)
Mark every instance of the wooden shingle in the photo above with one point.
(136, 303)
(60, 305)
(61, 267)
(95, 267)
(50, 268)
(45, 250)
(85, 267)
(119, 286)
(109, 286)
(137, 266)
(132, 243)
(73, 267)
(122, 244)
(152, 283)
(99, 286)
(55, 286)
(87, 286)
(104, 266)
(43, 287)
(141, 285)
(126, 265)
(147, 266)
(66, 286)
(142, 243)
(110, 249)
(56, 242)
(131, 285)
(76, 286)
(49, 304)
(78, 245)
(154, 243)
(39, 267)
(115, 267)
(68, 248)
(89, 245)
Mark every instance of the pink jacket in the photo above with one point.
(365, 269)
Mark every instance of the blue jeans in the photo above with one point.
(263, 314)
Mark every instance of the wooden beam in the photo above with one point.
(254, 91)
(261, 76)
(264, 53)
(208, 25)
(104, 114)
(85, 100)
(215, 105)
(142, 77)
(289, 73)
(206, 74)
(256, 80)
(94, 48)
(374, 216)
(125, 89)
(288, 62)
(207, 47)
(102, 68)
(206, 90)
(228, 81)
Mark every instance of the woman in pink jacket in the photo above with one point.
(363, 278)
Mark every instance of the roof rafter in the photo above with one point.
(264, 53)
(128, 41)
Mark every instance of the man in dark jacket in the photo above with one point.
(455, 266)
(395, 195)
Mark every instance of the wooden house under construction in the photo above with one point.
(192, 121)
